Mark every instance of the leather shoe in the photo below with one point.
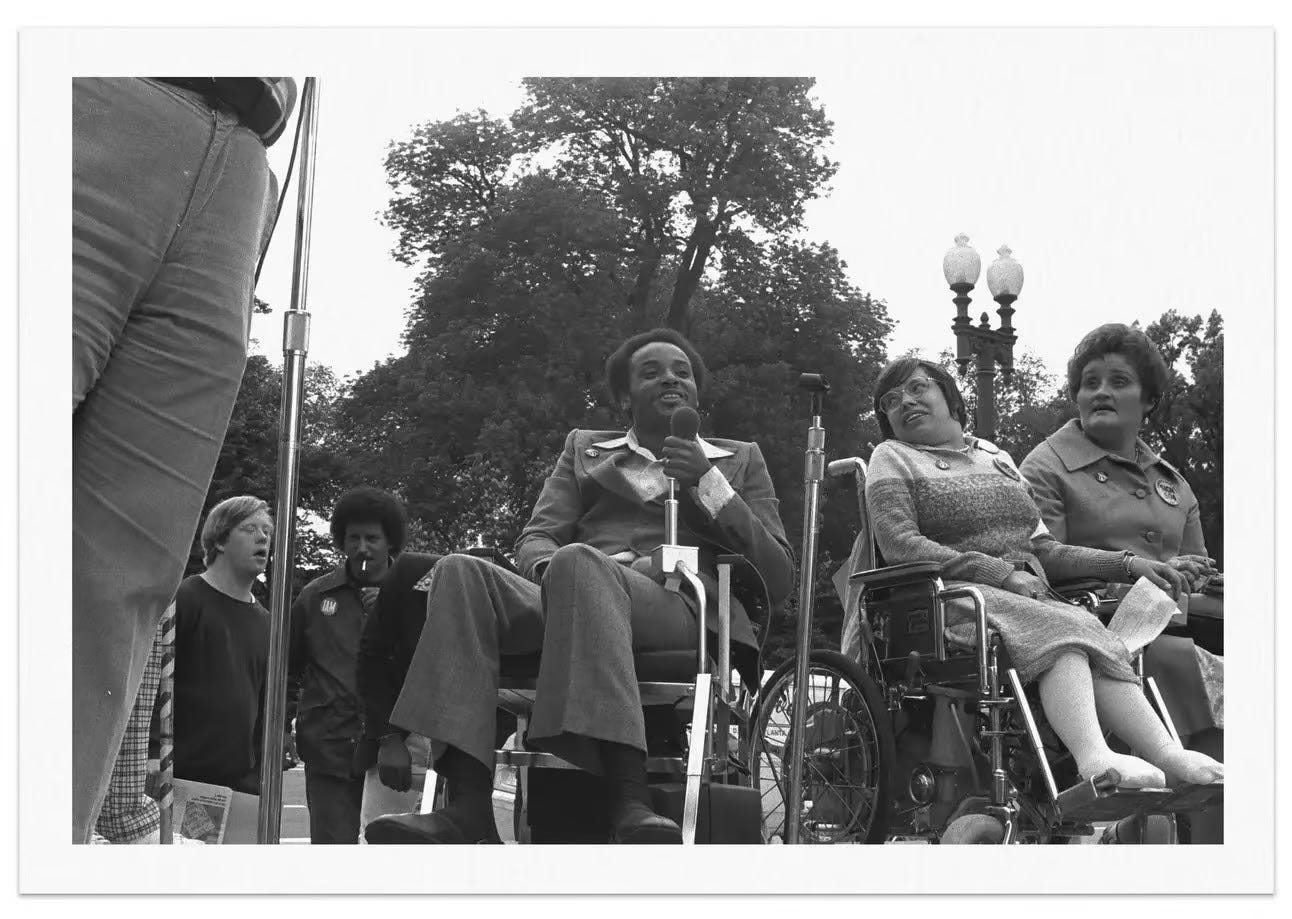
(438, 828)
(638, 825)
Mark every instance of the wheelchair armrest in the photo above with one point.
(898, 575)
(1079, 586)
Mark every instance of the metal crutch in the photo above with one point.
(296, 331)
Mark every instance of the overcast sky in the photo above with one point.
(1129, 170)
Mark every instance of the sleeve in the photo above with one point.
(714, 491)
(1046, 485)
(749, 522)
(1063, 562)
(556, 513)
(1193, 542)
(891, 504)
(296, 654)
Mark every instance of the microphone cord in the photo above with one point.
(308, 88)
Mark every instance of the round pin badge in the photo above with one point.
(943, 465)
(1007, 469)
(1101, 477)
(1166, 491)
(591, 453)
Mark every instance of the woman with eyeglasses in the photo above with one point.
(937, 494)
(1098, 484)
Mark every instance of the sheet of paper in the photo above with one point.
(1142, 615)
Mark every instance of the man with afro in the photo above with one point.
(368, 526)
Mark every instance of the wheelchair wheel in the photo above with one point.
(848, 753)
(973, 830)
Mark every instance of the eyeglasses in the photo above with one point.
(252, 529)
(915, 387)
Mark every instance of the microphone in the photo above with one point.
(684, 424)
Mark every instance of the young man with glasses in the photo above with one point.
(222, 650)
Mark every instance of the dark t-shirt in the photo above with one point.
(221, 665)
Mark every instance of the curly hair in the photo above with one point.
(617, 364)
(1130, 343)
(222, 519)
(895, 374)
(366, 504)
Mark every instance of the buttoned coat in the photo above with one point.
(1090, 497)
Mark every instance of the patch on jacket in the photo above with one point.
(328, 606)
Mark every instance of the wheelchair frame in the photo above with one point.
(1019, 815)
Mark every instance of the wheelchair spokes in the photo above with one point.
(845, 744)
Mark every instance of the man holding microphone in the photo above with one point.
(368, 525)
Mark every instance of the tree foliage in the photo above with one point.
(601, 208)
(248, 460)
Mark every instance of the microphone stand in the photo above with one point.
(680, 563)
(813, 474)
(296, 333)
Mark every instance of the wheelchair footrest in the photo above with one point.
(1093, 802)
(728, 814)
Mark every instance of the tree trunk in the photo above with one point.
(689, 272)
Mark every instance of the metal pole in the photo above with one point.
(296, 328)
(986, 374)
(813, 473)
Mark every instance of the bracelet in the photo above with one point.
(1127, 558)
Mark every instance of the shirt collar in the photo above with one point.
(1076, 450)
(630, 441)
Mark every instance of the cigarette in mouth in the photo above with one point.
(363, 566)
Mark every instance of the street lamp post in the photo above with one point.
(982, 344)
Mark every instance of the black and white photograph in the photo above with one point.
(566, 438)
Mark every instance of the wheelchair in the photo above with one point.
(925, 733)
(697, 725)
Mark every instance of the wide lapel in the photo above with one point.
(602, 465)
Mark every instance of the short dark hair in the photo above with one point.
(896, 373)
(1130, 343)
(366, 504)
(617, 363)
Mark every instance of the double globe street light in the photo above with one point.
(982, 344)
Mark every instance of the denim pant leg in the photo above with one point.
(170, 201)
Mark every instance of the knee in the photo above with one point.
(567, 559)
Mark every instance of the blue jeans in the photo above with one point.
(171, 204)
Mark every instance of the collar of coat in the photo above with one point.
(629, 440)
(1077, 451)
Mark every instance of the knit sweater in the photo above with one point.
(971, 511)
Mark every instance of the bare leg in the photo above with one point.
(1068, 698)
(1124, 711)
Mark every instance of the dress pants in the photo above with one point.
(334, 803)
(587, 619)
(170, 203)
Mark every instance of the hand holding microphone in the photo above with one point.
(684, 461)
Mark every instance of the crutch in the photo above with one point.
(296, 333)
(813, 473)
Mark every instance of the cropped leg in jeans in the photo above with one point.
(170, 203)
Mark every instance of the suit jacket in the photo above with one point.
(588, 499)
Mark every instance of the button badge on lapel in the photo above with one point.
(329, 606)
(591, 454)
(1166, 491)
